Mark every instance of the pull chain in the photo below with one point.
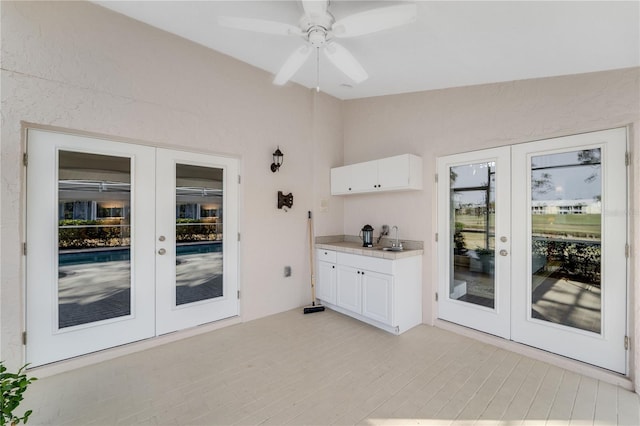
(318, 69)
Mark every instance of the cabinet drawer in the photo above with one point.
(326, 255)
(375, 264)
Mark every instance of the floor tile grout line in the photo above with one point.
(440, 357)
(535, 396)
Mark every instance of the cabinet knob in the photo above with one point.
(333, 267)
(349, 189)
(362, 272)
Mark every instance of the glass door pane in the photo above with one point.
(472, 233)
(199, 225)
(94, 238)
(566, 229)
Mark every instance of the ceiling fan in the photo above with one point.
(318, 28)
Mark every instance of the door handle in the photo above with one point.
(503, 252)
(161, 251)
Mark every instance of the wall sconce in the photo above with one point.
(278, 158)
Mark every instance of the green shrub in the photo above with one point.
(13, 386)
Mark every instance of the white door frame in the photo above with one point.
(607, 349)
(151, 286)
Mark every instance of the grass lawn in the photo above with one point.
(581, 226)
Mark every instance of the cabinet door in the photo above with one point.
(341, 180)
(348, 289)
(364, 177)
(393, 172)
(326, 283)
(377, 296)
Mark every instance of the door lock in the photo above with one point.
(503, 252)
(161, 251)
(161, 238)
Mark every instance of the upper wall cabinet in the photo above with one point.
(399, 173)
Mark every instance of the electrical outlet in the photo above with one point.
(324, 205)
(287, 271)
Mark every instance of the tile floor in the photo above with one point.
(325, 368)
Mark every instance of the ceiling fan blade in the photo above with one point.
(259, 25)
(315, 7)
(375, 20)
(292, 64)
(345, 62)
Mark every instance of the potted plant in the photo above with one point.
(486, 258)
(13, 387)
(460, 247)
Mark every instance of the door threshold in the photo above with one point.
(572, 365)
(129, 348)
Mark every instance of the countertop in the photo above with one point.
(354, 247)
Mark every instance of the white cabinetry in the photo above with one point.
(327, 272)
(382, 292)
(350, 289)
(326, 283)
(401, 172)
(377, 296)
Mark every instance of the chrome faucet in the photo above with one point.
(396, 244)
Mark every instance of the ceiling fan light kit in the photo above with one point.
(318, 28)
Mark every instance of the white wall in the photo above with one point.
(437, 123)
(77, 66)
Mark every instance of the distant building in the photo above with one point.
(584, 206)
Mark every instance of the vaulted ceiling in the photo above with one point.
(451, 43)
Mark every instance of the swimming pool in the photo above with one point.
(79, 257)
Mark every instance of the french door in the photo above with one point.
(124, 242)
(534, 244)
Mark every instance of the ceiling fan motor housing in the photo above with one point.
(316, 27)
(317, 36)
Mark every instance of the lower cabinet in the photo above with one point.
(350, 289)
(377, 296)
(384, 293)
(326, 282)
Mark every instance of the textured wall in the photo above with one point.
(77, 66)
(441, 122)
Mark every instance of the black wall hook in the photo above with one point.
(285, 200)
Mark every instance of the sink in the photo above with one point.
(392, 248)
